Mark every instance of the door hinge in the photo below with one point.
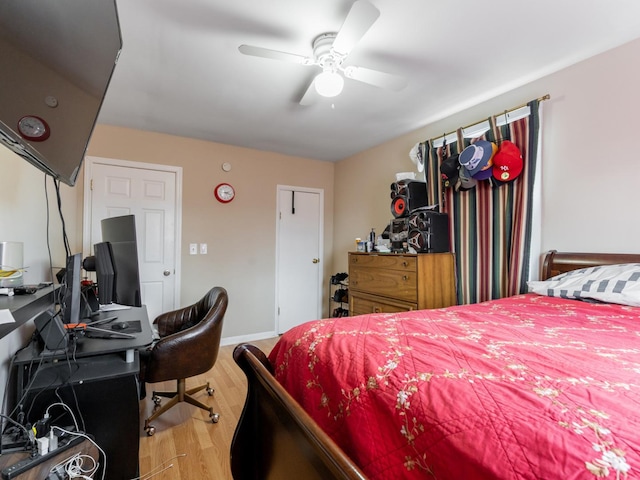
(91, 185)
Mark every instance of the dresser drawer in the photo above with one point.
(401, 285)
(398, 282)
(388, 262)
(361, 303)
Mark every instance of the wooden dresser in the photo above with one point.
(391, 282)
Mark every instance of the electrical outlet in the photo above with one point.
(193, 249)
(203, 249)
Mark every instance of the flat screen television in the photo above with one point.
(56, 61)
(120, 232)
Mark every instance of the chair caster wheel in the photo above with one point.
(215, 417)
(157, 400)
(210, 391)
(150, 430)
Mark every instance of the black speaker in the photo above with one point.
(406, 196)
(51, 330)
(428, 232)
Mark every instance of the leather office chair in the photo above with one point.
(188, 346)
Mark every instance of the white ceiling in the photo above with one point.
(180, 71)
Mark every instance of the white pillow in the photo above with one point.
(606, 283)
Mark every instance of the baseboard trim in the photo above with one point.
(246, 338)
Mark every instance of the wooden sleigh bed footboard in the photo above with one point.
(276, 438)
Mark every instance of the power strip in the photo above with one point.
(22, 466)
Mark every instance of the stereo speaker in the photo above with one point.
(406, 196)
(428, 232)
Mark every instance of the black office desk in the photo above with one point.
(98, 379)
(86, 347)
(25, 307)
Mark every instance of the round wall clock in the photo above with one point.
(33, 128)
(224, 193)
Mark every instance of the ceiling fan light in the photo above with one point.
(329, 84)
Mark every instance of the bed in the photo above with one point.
(536, 386)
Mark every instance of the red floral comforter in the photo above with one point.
(528, 387)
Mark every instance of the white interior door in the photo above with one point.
(299, 251)
(151, 193)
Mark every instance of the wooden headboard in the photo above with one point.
(556, 262)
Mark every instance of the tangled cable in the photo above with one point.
(74, 467)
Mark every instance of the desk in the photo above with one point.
(98, 383)
(25, 307)
(86, 347)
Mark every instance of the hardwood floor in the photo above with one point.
(186, 444)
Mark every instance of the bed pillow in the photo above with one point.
(607, 283)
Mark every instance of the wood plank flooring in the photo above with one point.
(186, 444)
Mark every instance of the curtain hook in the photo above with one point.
(506, 124)
(445, 155)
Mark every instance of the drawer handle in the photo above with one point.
(377, 310)
(405, 277)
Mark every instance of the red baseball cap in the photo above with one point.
(507, 162)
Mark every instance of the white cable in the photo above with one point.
(75, 467)
(153, 473)
(78, 434)
(75, 422)
(62, 463)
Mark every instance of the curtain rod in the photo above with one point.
(540, 99)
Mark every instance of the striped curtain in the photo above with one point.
(490, 225)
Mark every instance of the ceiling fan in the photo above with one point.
(330, 50)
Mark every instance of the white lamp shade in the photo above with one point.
(329, 84)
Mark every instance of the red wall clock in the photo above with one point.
(224, 193)
(33, 128)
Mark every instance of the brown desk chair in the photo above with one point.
(188, 346)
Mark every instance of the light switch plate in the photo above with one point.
(193, 249)
(203, 249)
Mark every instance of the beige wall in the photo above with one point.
(590, 166)
(23, 218)
(240, 235)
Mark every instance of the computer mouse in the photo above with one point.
(120, 326)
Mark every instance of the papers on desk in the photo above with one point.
(112, 307)
(6, 317)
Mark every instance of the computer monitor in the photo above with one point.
(106, 273)
(74, 307)
(120, 232)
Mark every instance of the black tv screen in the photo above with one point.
(56, 60)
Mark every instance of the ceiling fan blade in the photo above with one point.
(310, 96)
(359, 19)
(274, 54)
(376, 78)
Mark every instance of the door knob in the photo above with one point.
(316, 260)
(166, 273)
